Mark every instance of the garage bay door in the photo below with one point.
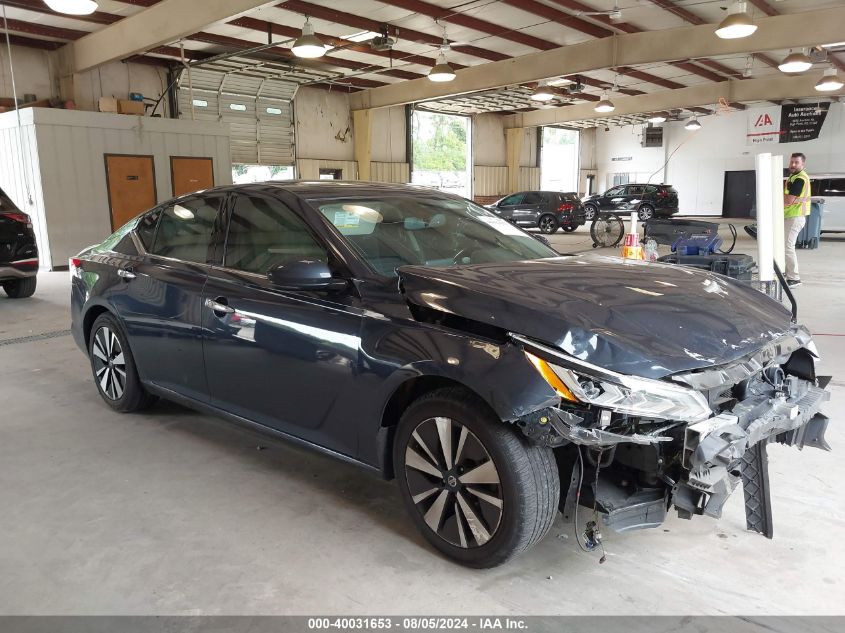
(258, 110)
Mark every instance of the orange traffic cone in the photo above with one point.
(631, 247)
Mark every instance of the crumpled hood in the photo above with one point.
(631, 317)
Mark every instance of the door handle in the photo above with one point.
(126, 273)
(217, 307)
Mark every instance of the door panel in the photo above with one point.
(283, 359)
(131, 186)
(162, 300)
(189, 174)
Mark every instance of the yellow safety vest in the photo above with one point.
(801, 206)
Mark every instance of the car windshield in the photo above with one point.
(390, 232)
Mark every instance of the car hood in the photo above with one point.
(632, 317)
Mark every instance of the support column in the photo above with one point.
(362, 125)
(514, 138)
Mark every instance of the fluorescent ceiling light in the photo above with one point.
(830, 81)
(737, 24)
(363, 36)
(562, 81)
(693, 124)
(542, 93)
(73, 7)
(605, 105)
(308, 45)
(657, 117)
(795, 63)
(442, 71)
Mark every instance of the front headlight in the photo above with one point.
(630, 395)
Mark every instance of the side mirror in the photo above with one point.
(304, 275)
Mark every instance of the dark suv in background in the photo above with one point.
(647, 200)
(18, 252)
(546, 210)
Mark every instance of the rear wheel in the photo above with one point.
(20, 288)
(645, 212)
(477, 490)
(590, 212)
(547, 224)
(114, 368)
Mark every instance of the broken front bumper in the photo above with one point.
(711, 457)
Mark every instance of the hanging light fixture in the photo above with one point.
(442, 71)
(657, 117)
(737, 24)
(542, 93)
(795, 63)
(308, 45)
(605, 105)
(830, 81)
(693, 124)
(73, 7)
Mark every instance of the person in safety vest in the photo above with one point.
(796, 208)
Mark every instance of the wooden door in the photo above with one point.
(189, 174)
(131, 186)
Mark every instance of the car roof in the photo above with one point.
(327, 188)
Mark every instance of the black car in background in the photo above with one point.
(648, 201)
(420, 336)
(18, 252)
(546, 210)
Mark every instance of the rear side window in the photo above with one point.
(532, 198)
(635, 190)
(146, 229)
(651, 189)
(265, 233)
(185, 229)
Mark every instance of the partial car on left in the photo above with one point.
(18, 251)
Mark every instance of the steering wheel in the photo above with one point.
(459, 255)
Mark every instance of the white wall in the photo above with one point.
(65, 168)
(323, 125)
(388, 135)
(33, 73)
(697, 169)
(118, 80)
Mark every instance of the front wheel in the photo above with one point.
(548, 224)
(590, 212)
(20, 288)
(475, 487)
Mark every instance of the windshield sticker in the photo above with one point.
(502, 226)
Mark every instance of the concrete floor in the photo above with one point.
(173, 512)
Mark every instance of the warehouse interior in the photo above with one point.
(111, 108)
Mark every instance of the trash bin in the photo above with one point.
(811, 233)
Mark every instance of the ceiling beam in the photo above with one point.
(366, 24)
(164, 22)
(763, 89)
(624, 50)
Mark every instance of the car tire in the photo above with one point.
(568, 227)
(510, 496)
(113, 366)
(20, 288)
(548, 224)
(645, 212)
(590, 212)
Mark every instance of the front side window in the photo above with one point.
(146, 229)
(185, 229)
(616, 191)
(265, 233)
(395, 231)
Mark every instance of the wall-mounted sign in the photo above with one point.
(786, 124)
(618, 158)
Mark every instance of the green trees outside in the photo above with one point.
(439, 142)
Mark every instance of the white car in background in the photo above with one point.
(830, 189)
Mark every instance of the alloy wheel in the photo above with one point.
(589, 213)
(109, 363)
(646, 213)
(547, 224)
(453, 482)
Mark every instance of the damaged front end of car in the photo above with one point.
(635, 447)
